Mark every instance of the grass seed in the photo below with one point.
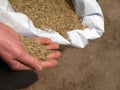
(35, 48)
(56, 15)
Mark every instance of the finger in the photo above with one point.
(55, 54)
(15, 65)
(31, 61)
(49, 63)
(53, 46)
(5, 27)
(44, 40)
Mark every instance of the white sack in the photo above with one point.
(88, 10)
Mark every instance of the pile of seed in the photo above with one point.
(56, 15)
(35, 48)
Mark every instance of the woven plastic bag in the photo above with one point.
(88, 10)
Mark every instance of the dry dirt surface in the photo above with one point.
(96, 67)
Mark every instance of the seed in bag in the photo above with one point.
(56, 15)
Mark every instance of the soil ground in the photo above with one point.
(96, 67)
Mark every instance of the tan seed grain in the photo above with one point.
(57, 15)
(35, 48)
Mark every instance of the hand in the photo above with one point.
(13, 54)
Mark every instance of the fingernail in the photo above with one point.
(38, 67)
(55, 54)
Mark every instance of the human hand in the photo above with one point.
(13, 54)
